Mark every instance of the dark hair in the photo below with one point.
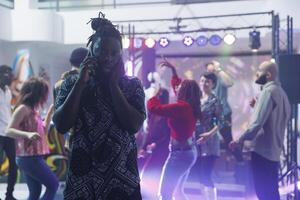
(103, 29)
(210, 76)
(77, 56)
(163, 96)
(4, 68)
(209, 63)
(33, 92)
(191, 93)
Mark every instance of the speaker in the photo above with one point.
(289, 76)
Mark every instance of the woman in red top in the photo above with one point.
(182, 117)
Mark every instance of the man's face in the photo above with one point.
(6, 77)
(108, 54)
(210, 68)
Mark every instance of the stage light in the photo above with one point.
(229, 39)
(164, 42)
(150, 42)
(188, 41)
(129, 68)
(298, 185)
(215, 40)
(254, 40)
(202, 40)
(125, 42)
(138, 43)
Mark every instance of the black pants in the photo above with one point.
(265, 177)
(206, 165)
(8, 146)
(226, 133)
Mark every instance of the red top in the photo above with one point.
(180, 116)
(175, 82)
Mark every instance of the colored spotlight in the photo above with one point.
(229, 39)
(150, 42)
(188, 41)
(129, 68)
(138, 43)
(215, 40)
(202, 41)
(164, 42)
(125, 42)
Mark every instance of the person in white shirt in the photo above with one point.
(267, 130)
(7, 144)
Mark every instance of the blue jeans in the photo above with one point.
(175, 172)
(36, 173)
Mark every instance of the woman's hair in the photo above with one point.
(163, 96)
(34, 92)
(191, 93)
(103, 29)
(210, 76)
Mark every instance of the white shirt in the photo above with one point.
(268, 123)
(5, 109)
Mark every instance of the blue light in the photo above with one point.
(202, 40)
(215, 40)
(138, 43)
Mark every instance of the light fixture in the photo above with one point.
(254, 40)
(138, 43)
(125, 42)
(164, 42)
(215, 39)
(202, 40)
(129, 68)
(188, 41)
(150, 42)
(229, 38)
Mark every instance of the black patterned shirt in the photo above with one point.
(210, 117)
(103, 160)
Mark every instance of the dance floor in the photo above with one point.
(225, 192)
(21, 192)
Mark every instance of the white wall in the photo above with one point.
(5, 23)
(36, 25)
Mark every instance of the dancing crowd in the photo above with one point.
(100, 110)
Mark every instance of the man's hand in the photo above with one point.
(253, 102)
(216, 64)
(87, 69)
